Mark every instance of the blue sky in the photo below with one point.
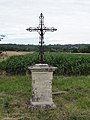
(70, 17)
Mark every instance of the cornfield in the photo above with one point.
(67, 64)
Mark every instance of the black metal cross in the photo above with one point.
(41, 29)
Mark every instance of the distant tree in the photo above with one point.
(1, 37)
(84, 49)
(74, 50)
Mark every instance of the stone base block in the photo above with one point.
(42, 75)
(41, 105)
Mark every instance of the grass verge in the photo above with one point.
(72, 104)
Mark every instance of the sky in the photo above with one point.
(71, 18)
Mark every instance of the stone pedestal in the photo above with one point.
(42, 76)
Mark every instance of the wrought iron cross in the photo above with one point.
(41, 29)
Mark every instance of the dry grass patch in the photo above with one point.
(7, 54)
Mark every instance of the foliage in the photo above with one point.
(51, 48)
(15, 47)
(70, 64)
(0, 52)
(84, 49)
(73, 104)
(18, 65)
(67, 64)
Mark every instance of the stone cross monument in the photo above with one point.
(42, 74)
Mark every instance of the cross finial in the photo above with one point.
(41, 14)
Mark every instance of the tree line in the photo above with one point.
(76, 48)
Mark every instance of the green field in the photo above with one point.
(72, 100)
(67, 64)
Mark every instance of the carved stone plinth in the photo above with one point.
(42, 75)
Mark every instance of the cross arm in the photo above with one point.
(30, 29)
(52, 29)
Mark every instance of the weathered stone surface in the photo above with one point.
(42, 76)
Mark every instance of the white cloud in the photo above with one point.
(70, 17)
